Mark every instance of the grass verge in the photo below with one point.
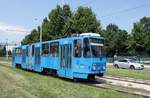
(16, 83)
(137, 74)
(4, 59)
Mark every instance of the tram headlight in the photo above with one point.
(104, 67)
(94, 67)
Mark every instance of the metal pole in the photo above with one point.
(41, 34)
(41, 40)
(6, 49)
(62, 3)
(40, 31)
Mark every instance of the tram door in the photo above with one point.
(23, 56)
(37, 59)
(66, 59)
(30, 57)
(13, 57)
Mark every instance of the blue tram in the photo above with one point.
(79, 56)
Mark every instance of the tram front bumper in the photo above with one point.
(100, 67)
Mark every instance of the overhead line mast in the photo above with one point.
(62, 2)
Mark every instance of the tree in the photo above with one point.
(68, 18)
(53, 26)
(9, 53)
(56, 22)
(31, 38)
(141, 36)
(46, 33)
(131, 45)
(112, 28)
(3, 51)
(115, 40)
(61, 22)
(85, 21)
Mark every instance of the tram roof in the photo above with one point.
(74, 36)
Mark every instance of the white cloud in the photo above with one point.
(12, 32)
(13, 28)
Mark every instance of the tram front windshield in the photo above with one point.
(93, 47)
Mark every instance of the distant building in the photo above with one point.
(8, 46)
(1, 46)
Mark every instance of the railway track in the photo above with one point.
(106, 83)
(130, 86)
(139, 81)
(141, 94)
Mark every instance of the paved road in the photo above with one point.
(6, 63)
(122, 83)
(146, 67)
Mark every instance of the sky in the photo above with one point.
(25, 15)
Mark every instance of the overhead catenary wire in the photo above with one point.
(126, 10)
(62, 2)
(107, 15)
(120, 11)
(117, 12)
(89, 2)
(15, 30)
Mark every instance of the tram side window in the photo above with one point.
(13, 56)
(27, 51)
(24, 55)
(18, 51)
(77, 48)
(33, 50)
(37, 55)
(45, 48)
(54, 49)
(86, 48)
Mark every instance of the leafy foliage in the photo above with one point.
(141, 35)
(31, 38)
(85, 21)
(61, 22)
(116, 40)
(121, 43)
(3, 51)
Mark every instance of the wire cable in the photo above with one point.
(14, 30)
(125, 10)
(89, 2)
